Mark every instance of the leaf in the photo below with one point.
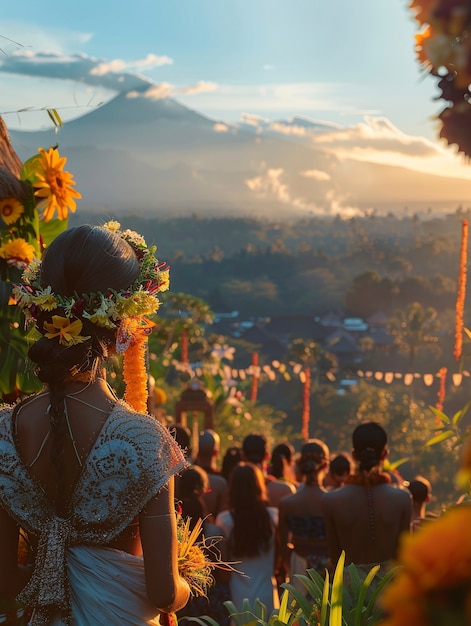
(446, 434)
(440, 414)
(50, 230)
(467, 332)
(55, 117)
(385, 580)
(203, 621)
(361, 597)
(336, 593)
(398, 463)
(458, 416)
(325, 601)
(283, 613)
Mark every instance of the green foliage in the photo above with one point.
(351, 599)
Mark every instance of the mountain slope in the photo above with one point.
(159, 156)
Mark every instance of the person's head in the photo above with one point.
(191, 485)
(231, 458)
(90, 296)
(282, 456)
(208, 446)
(254, 449)
(247, 486)
(79, 262)
(313, 461)
(339, 470)
(421, 490)
(369, 445)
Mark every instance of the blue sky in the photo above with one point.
(335, 60)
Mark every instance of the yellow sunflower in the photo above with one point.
(17, 250)
(54, 186)
(10, 210)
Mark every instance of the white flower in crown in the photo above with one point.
(45, 299)
(133, 238)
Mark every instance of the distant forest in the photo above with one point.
(361, 265)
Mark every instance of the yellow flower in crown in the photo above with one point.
(11, 209)
(53, 186)
(17, 250)
(68, 332)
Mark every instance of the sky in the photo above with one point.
(348, 62)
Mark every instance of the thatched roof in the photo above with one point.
(10, 168)
(9, 160)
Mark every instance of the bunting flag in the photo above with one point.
(292, 371)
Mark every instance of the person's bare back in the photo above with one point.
(366, 522)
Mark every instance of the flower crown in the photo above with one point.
(111, 309)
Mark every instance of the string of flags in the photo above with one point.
(292, 370)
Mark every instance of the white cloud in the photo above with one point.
(151, 61)
(156, 92)
(200, 87)
(253, 120)
(315, 174)
(220, 128)
(110, 66)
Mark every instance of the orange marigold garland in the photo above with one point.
(460, 298)
(306, 404)
(255, 375)
(132, 343)
(442, 388)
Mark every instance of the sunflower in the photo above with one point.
(54, 186)
(10, 210)
(17, 250)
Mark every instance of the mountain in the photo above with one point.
(160, 157)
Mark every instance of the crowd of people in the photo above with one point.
(287, 512)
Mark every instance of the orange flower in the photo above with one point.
(423, 10)
(436, 561)
(17, 250)
(460, 298)
(10, 210)
(54, 186)
(132, 342)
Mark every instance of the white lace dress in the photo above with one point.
(76, 580)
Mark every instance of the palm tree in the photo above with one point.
(413, 328)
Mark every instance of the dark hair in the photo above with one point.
(369, 442)
(85, 259)
(252, 529)
(340, 464)
(314, 455)
(231, 458)
(254, 448)
(280, 452)
(420, 489)
(191, 484)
